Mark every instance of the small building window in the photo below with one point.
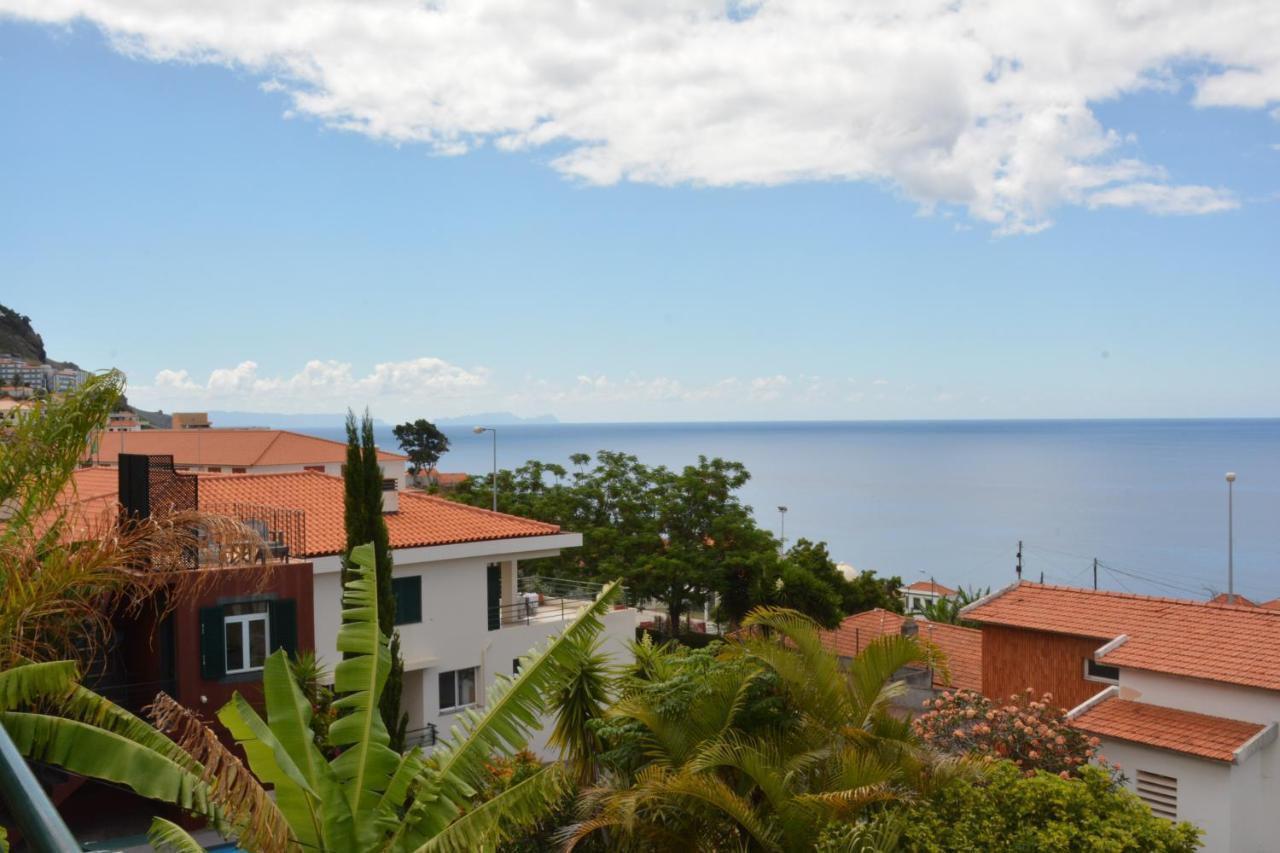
(214, 469)
(1094, 671)
(319, 468)
(408, 595)
(238, 470)
(1160, 792)
(458, 688)
(246, 627)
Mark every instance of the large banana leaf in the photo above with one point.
(22, 685)
(512, 709)
(168, 837)
(367, 765)
(519, 808)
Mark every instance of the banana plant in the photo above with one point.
(368, 798)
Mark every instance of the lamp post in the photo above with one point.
(1231, 569)
(782, 529)
(480, 430)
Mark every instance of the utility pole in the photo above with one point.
(1231, 567)
(1019, 567)
(1042, 577)
(1095, 573)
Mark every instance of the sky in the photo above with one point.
(655, 211)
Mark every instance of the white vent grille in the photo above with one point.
(1159, 792)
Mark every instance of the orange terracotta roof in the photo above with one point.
(1273, 604)
(1223, 598)
(929, 586)
(1196, 639)
(962, 646)
(422, 520)
(238, 447)
(1201, 735)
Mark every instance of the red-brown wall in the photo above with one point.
(1014, 659)
(291, 580)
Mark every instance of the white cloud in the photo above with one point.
(983, 105)
(318, 386)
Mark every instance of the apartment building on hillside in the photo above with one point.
(1185, 695)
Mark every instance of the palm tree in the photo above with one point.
(708, 783)
(368, 798)
(65, 567)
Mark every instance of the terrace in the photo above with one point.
(544, 599)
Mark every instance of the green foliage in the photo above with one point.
(362, 506)
(423, 442)
(1014, 813)
(368, 798)
(677, 537)
(948, 609)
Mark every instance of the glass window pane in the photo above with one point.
(447, 695)
(235, 646)
(467, 686)
(242, 608)
(257, 642)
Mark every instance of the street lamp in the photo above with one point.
(782, 530)
(480, 430)
(1231, 569)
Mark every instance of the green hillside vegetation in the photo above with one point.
(17, 337)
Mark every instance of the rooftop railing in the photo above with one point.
(545, 599)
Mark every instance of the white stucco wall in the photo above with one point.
(454, 632)
(1203, 787)
(1234, 804)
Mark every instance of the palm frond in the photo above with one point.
(165, 835)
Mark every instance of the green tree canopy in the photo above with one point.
(423, 442)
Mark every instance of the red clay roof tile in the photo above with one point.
(1201, 735)
(238, 447)
(962, 646)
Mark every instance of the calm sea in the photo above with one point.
(952, 499)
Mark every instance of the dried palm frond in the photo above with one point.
(233, 788)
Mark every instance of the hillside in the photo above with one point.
(18, 338)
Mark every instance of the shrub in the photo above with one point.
(1029, 732)
(1011, 813)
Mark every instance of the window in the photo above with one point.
(1094, 671)
(214, 469)
(319, 468)
(237, 470)
(236, 637)
(458, 688)
(917, 604)
(1159, 792)
(246, 628)
(408, 594)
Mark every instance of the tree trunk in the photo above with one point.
(674, 611)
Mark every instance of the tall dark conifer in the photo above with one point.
(362, 481)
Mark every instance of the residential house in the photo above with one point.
(919, 595)
(240, 451)
(961, 649)
(1184, 695)
(123, 422)
(464, 612)
(191, 420)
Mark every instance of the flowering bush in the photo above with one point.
(1032, 733)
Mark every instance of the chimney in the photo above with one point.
(909, 627)
(390, 495)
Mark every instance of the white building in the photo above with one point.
(464, 612)
(919, 595)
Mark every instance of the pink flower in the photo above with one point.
(1064, 774)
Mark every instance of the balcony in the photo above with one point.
(543, 599)
(278, 535)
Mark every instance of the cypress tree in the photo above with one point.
(362, 487)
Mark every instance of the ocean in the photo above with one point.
(951, 500)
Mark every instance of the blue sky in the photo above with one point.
(179, 220)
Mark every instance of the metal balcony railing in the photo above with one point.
(543, 599)
(281, 533)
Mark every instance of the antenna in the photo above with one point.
(1018, 569)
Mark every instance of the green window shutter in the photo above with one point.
(495, 596)
(284, 625)
(213, 644)
(408, 593)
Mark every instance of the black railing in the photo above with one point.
(423, 737)
(280, 533)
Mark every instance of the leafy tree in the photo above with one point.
(362, 514)
(948, 609)
(706, 783)
(423, 442)
(1011, 813)
(368, 798)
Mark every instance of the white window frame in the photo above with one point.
(243, 620)
(453, 709)
(1088, 676)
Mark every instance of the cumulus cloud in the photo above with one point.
(984, 105)
(318, 386)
